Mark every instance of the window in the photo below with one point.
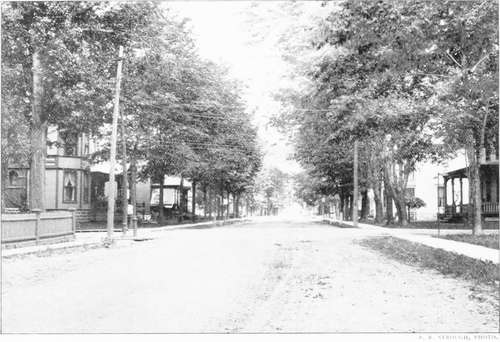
(86, 144)
(13, 178)
(70, 141)
(86, 148)
(86, 187)
(69, 186)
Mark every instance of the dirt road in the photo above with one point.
(258, 277)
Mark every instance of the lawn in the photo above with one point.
(487, 240)
(434, 225)
(447, 263)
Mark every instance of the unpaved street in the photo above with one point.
(258, 277)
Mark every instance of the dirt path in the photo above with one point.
(262, 277)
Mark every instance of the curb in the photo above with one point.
(12, 253)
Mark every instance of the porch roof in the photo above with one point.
(103, 167)
(173, 181)
(487, 166)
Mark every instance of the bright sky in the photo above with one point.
(219, 29)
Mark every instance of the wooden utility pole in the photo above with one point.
(112, 157)
(161, 218)
(125, 177)
(355, 190)
(193, 201)
(181, 199)
(133, 192)
(38, 138)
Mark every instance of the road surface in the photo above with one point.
(256, 277)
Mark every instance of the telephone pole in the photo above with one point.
(125, 177)
(112, 157)
(355, 190)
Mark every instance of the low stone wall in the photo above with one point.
(37, 226)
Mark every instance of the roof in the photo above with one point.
(463, 171)
(103, 167)
(174, 181)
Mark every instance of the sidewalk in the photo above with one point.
(95, 239)
(422, 236)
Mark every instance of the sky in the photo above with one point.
(222, 35)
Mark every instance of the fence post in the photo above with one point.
(73, 220)
(37, 224)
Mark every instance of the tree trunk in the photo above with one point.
(477, 199)
(355, 186)
(401, 209)
(217, 205)
(237, 213)
(210, 202)
(235, 206)
(205, 201)
(227, 209)
(341, 205)
(389, 211)
(38, 139)
(365, 205)
(377, 198)
(221, 202)
(348, 208)
(182, 200)
(161, 218)
(193, 201)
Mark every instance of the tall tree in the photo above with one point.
(64, 50)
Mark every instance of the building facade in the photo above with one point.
(445, 188)
(67, 175)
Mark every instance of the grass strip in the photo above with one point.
(447, 263)
(487, 240)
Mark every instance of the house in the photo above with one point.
(171, 195)
(147, 194)
(67, 175)
(99, 191)
(454, 192)
(445, 188)
(72, 181)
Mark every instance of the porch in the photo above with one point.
(456, 193)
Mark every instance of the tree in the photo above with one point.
(66, 52)
(467, 37)
(374, 82)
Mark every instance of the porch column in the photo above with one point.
(461, 196)
(445, 192)
(453, 195)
